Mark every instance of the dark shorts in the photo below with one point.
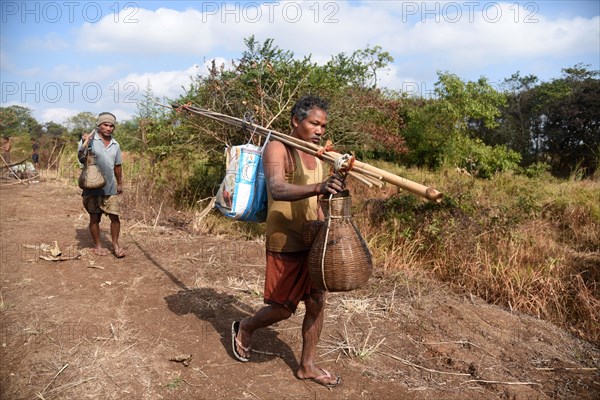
(35, 158)
(287, 281)
(101, 204)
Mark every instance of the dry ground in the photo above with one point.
(102, 328)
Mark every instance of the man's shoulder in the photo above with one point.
(275, 145)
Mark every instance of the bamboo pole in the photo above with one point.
(366, 172)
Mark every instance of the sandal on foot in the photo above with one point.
(120, 253)
(235, 342)
(326, 375)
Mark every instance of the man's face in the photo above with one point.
(106, 129)
(311, 128)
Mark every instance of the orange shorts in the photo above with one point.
(287, 281)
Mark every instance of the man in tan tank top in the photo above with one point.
(294, 180)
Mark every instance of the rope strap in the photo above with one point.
(325, 243)
(328, 147)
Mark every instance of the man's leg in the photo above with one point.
(264, 317)
(115, 230)
(311, 332)
(94, 227)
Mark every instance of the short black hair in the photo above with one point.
(307, 103)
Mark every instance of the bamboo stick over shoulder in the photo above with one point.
(367, 173)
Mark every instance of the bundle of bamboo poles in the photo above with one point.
(362, 172)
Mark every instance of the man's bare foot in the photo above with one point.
(320, 376)
(119, 252)
(99, 251)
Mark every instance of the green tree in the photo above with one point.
(569, 110)
(438, 129)
(19, 121)
(84, 122)
(266, 81)
(54, 130)
(518, 120)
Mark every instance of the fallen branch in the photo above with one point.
(55, 376)
(500, 382)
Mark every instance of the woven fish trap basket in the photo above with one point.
(91, 177)
(339, 259)
(310, 230)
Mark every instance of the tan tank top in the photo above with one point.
(285, 218)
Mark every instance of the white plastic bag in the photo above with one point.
(243, 193)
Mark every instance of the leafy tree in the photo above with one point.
(18, 121)
(266, 81)
(570, 115)
(437, 128)
(84, 122)
(360, 68)
(518, 120)
(54, 130)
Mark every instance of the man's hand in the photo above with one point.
(334, 184)
(119, 188)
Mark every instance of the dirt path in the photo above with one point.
(102, 328)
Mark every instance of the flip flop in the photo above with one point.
(120, 254)
(235, 327)
(326, 374)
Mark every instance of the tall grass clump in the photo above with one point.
(529, 244)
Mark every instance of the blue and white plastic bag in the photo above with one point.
(243, 193)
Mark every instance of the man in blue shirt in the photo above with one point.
(104, 200)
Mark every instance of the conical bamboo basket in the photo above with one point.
(339, 259)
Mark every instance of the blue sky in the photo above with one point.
(63, 57)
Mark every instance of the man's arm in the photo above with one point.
(274, 162)
(119, 176)
(83, 144)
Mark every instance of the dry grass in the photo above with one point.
(355, 344)
(532, 246)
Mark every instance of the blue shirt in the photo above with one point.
(106, 159)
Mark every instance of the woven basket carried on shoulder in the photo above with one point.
(91, 177)
(339, 259)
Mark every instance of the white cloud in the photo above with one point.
(306, 28)
(462, 38)
(169, 84)
(159, 32)
(489, 39)
(58, 115)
